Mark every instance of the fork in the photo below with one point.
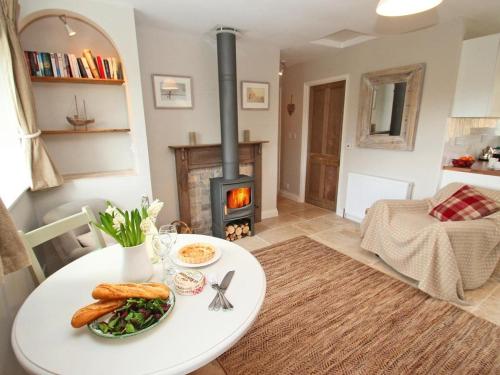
(226, 305)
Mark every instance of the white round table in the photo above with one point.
(191, 336)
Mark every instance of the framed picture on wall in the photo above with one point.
(172, 91)
(254, 95)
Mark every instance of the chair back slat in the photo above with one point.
(96, 232)
(55, 229)
(52, 230)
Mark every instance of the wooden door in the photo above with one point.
(326, 112)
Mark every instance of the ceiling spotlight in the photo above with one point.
(68, 28)
(396, 8)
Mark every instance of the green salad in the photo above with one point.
(137, 314)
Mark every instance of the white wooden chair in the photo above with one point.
(52, 230)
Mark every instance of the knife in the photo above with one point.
(222, 288)
(226, 281)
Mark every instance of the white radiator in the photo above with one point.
(364, 190)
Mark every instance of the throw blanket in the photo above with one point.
(444, 257)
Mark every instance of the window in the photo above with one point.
(13, 170)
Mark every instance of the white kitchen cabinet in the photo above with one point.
(474, 179)
(477, 92)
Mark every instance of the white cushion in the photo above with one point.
(87, 239)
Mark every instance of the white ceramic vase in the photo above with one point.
(136, 265)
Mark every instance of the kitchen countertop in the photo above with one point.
(479, 167)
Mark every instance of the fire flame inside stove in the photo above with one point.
(238, 198)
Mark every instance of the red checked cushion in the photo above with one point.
(465, 204)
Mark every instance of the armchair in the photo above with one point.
(445, 258)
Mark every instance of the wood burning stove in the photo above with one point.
(232, 202)
(232, 195)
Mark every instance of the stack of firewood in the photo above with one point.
(235, 231)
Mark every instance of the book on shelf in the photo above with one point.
(119, 72)
(75, 72)
(106, 68)
(30, 61)
(86, 67)
(47, 65)
(114, 70)
(55, 67)
(40, 63)
(90, 61)
(100, 67)
(62, 64)
(83, 72)
(67, 65)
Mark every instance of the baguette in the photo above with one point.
(130, 290)
(89, 313)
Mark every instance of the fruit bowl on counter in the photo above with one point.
(463, 162)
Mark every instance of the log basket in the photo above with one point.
(182, 227)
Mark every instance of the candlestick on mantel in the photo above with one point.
(192, 138)
(246, 135)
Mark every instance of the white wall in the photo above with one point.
(117, 23)
(439, 48)
(166, 52)
(17, 287)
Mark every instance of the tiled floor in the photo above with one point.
(297, 219)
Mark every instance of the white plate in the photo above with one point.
(217, 255)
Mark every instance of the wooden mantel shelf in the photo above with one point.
(477, 168)
(176, 147)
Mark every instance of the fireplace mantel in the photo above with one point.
(189, 157)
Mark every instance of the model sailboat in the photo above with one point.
(77, 120)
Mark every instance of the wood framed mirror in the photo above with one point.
(389, 105)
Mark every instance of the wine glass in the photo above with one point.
(168, 238)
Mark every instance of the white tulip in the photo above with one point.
(111, 210)
(154, 209)
(146, 225)
(117, 220)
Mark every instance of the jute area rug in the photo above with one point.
(325, 313)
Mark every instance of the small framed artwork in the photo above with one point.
(254, 95)
(172, 91)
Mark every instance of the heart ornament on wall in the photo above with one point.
(290, 107)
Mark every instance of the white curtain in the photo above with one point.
(12, 64)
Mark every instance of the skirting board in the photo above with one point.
(288, 195)
(269, 213)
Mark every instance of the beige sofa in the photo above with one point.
(445, 258)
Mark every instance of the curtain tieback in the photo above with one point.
(31, 136)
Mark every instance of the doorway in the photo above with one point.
(326, 113)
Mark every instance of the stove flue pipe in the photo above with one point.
(226, 58)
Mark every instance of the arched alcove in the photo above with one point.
(86, 154)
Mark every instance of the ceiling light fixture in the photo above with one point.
(396, 8)
(69, 30)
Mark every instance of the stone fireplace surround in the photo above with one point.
(196, 164)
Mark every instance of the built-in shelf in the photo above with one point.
(91, 131)
(94, 81)
(78, 176)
